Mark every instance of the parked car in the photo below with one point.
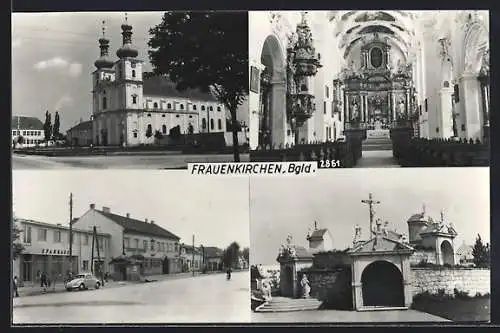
(83, 282)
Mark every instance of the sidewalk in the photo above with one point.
(33, 289)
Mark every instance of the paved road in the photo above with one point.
(337, 316)
(170, 161)
(202, 299)
(377, 159)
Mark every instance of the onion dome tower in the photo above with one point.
(127, 50)
(104, 61)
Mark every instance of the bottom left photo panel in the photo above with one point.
(125, 247)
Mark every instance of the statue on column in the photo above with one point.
(401, 110)
(355, 112)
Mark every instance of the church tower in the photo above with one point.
(102, 79)
(128, 74)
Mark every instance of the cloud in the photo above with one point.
(63, 101)
(75, 69)
(71, 69)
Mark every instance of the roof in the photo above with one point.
(141, 227)
(160, 85)
(213, 252)
(56, 226)
(420, 217)
(381, 244)
(465, 250)
(440, 228)
(26, 123)
(189, 248)
(84, 125)
(318, 234)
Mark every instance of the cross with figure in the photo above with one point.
(370, 202)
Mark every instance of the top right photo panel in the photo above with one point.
(370, 89)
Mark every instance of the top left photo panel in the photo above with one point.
(138, 90)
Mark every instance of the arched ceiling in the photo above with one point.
(351, 26)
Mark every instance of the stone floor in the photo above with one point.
(338, 316)
(377, 159)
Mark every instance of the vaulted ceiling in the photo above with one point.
(353, 27)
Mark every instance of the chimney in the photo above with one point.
(146, 220)
(152, 222)
(128, 215)
(92, 206)
(105, 209)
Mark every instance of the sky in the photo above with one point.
(282, 206)
(53, 55)
(176, 201)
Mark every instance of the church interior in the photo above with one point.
(390, 78)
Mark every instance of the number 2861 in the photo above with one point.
(323, 164)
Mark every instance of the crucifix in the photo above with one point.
(442, 216)
(315, 225)
(370, 202)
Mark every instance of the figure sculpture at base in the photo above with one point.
(306, 289)
(266, 290)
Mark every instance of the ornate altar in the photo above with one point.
(377, 95)
(302, 64)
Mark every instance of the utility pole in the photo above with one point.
(192, 264)
(92, 255)
(370, 202)
(71, 234)
(98, 255)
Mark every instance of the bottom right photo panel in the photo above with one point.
(371, 246)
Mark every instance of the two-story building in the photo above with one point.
(153, 247)
(47, 249)
(26, 132)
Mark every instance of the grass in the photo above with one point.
(458, 309)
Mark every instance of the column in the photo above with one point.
(486, 103)
(346, 107)
(445, 117)
(277, 113)
(366, 108)
(470, 92)
(407, 98)
(393, 105)
(361, 106)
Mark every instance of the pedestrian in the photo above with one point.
(15, 284)
(43, 281)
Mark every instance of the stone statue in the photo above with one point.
(401, 109)
(291, 252)
(355, 112)
(357, 232)
(266, 290)
(385, 229)
(306, 289)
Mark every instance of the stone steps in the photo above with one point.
(282, 304)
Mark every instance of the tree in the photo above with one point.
(481, 253)
(158, 135)
(17, 245)
(55, 129)
(149, 132)
(231, 254)
(175, 132)
(20, 139)
(245, 253)
(47, 127)
(206, 51)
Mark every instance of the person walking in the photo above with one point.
(43, 281)
(15, 285)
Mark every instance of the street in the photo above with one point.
(153, 161)
(201, 299)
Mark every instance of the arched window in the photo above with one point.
(182, 106)
(134, 99)
(212, 124)
(164, 129)
(169, 106)
(203, 108)
(219, 124)
(133, 73)
(211, 108)
(204, 123)
(104, 103)
(155, 105)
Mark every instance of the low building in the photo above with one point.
(191, 258)
(142, 244)
(26, 132)
(465, 254)
(80, 134)
(46, 249)
(213, 258)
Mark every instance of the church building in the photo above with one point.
(315, 75)
(129, 109)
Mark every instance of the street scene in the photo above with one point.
(201, 299)
(72, 258)
(354, 247)
(143, 104)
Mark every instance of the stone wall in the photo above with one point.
(422, 255)
(330, 260)
(333, 286)
(470, 280)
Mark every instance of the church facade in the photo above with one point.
(315, 75)
(129, 109)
